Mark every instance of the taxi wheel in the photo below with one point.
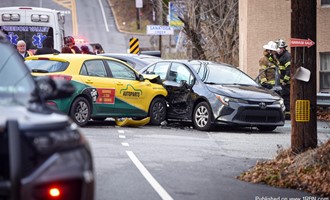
(202, 116)
(80, 111)
(157, 111)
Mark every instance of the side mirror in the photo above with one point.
(54, 88)
(183, 83)
(141, 78)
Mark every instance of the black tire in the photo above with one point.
(99, 118)
(157, 111)
(80, 111)
(266, 128)
(202, 116)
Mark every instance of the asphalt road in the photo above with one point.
(172, 162)
(183, 163)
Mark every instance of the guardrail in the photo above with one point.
(323, 99)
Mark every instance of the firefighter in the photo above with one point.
(70, 42)
(284, 58)
(268, 64)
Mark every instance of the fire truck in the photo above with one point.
(33, 25)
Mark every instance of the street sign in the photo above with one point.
(138, 3)
(175, 10)
(134, 45)
(159, 30)
(296, 42)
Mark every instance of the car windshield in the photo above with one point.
(45, 66)
(16, 83)
(213, 73)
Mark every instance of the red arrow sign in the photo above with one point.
(295, 42)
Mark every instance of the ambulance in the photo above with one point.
(33, 25)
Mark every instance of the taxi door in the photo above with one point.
(132, 95)
(94, 73)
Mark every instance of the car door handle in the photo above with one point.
(120, 84)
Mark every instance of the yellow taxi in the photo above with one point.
(105, 87)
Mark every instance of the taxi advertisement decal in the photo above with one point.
(131, 93)
(106, 95)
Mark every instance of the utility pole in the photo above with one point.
(303, 25)
(138, 5)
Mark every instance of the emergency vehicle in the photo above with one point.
(33, 25)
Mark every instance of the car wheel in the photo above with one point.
(157, 111)
(266, 128)
(202, 116)
(80, 111)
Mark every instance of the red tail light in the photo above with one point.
(54, 192)
(62, 190)
(61, 76)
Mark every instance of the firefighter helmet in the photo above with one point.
(69, 40)
(271, 45)
(281, 43)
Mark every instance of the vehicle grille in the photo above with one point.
(255, 115)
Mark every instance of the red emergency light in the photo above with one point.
(54, 192)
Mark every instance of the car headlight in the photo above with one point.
(225, 100)
(280, 101)
(56, 140)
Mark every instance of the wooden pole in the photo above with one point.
(303, 25)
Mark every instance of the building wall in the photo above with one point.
(263, 20)
(260, 22)
(322, 34)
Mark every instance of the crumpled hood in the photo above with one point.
(153, 78)
(150, 76)
(28, 118)
(251, 93)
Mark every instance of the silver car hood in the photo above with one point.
(247, 92)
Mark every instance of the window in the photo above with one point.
(46, 65)
(161, 69)
(325, 2)
(93, 68)
(121, 71)
(27, 33)
(179, 72)
(325, 71)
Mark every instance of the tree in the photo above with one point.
(303, 25)
(212, 29)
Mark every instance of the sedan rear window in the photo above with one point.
(45, 66)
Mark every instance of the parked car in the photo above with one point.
(209, 93)
(137, 61)
(105, 87)
(43, 154)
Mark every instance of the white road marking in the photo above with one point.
(121, 131)
(104, 18)
(122, 136)
(152, 181)
(125, 144)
